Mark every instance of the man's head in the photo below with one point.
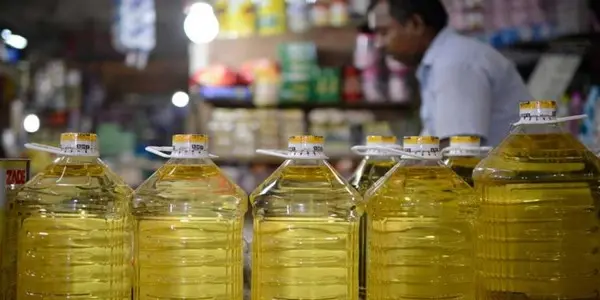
(405, 28)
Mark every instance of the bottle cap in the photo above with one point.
(537, 111)
(465, 146)
(79, 144)
(465, 141)
(190, 146)
(425, 146)
(305, 145)
(378, 140)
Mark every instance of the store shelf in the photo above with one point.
(231, 103)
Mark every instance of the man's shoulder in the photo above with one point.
(470, 51)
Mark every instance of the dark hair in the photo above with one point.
(432, 12)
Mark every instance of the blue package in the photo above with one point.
(588, 129)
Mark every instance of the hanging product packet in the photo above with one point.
(420, 218)
(69, 228)
(541, 187)
(185, 215)
(374, 165)
(464, 153)
(306, 222)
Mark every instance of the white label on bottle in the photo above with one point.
(305, 150)
(422, 150)
(79, 148)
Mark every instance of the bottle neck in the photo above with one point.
(190, 161)
(555, 128)
(77, 160)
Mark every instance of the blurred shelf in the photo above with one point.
(226, 103)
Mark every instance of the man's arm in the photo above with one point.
(463, 101)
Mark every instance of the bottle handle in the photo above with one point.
(160, 151)
(363, 150)
(557, 120)
(44, 148)
(480, 149)
(409, 154)
(287, 155)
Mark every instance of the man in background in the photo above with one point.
(467, 87)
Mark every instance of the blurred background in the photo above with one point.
(250, 73)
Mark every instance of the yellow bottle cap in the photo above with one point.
(79, 144)
(465, 141)
(381, 140)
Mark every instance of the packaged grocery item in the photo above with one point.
(319, 13)
(221, 8)
(306, 219)
(189, 217)
(14, 173)
(271, 17)
(419, 228)
(375, 164)
(297, 16)
(351, 90)
(326, 85)
(464, 153)
(537, 230)
(71, 227)
(338, 13)
(241, 18)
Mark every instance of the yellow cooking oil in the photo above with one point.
(374, 165)
(71, 225)
(420, 235)
(189, 217)
(306, 220)
(538, 230)
(464, 155)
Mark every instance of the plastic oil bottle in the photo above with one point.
(189, 217)
(306, 219)
(538, 231)
(420, 235)
(373, 166)
(72, 227)
(463, 155)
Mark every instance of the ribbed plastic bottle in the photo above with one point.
(189, 217)
(373, 166)
(306, 219)
(464, 154)
(71, 224)
(419, 228)
(538, 231)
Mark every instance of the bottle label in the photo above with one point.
(190, 146)
(537, 111)
(79, 144)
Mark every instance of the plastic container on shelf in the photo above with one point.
(538, 228)
(419, 228)
(71, 228)
(374, 165)
(306, 219)
(189, 217)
